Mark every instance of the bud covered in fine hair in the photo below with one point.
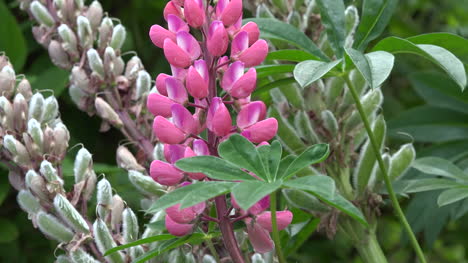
(17, 149)
(145, 184)
(104, 241)
(90, 186)
(50, 173)
(79, 78)
(24, 88)
(118, 37)
(70, 215)
(20, 112)
(126, 160)
(50, 226)
(106, 112)
(104, 198)
(143, 84)
(117, 208)
(79, 4)
(6, 113)
(83, 165)
(68, 37)
(61, 137)
(158, 152)
(257, 258)
(7, 81)
(37, 184)
(35, 131)
(63, 259)
(50, 111)
(28, 202)
(105, 32)
(95, 62)
(80, 255)
(85, 34)
(134, 65)
(41, 14)
(94, 14)
(36, 105)
(129, 226)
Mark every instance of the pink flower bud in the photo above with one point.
(259, 237)
(167, 132)
(238, 84)
(194, 176)
(197, 80)
(200, 147)
(174, 152)
(218, 39)
(161, 83)
(223, 64)
(263, 143)
(194, 12)
(261, 131)
(178, 229)
(252, 31)
(240, 43)
(175, 24)
(176, 90)
(283, 219)
(186, 215)
(183, 119)
(229, 11)
(179, 73)
(218, 120)
(178, 2)
(254, 55)
(251, 114)
(172, 9)
(165, 173)
(257, 208)
(159, 105)
(184, 52)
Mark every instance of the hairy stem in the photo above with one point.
(275, 232)
(388, 183)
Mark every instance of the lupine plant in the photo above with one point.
(239, 154)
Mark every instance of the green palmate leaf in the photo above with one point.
(261, 89)
(12, 41)
(213, 167)
(267, 70)
(438, 55)
(305, 201)
(310, 71)
(332, 13)
(375, 16)
(140, 242)
(440, 167)
(284, 164)
(452, 195)
(313, 155)
(294, 55)
(423, 185)
(249, 193)
(303, 236)
(375, 67)
(241, 152)
(275, 29)
(198, 192)
(453, 43)
(319, 185)
(346, 207)
(274, 159)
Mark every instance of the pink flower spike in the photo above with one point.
(283, 219)
(189, 44)
(159, 105)
(239, 43)
(218, 39)
(158, 34)
(259, 237)
(219, 120)
(172, 9)
(167, 132)
(183, 119)
(181, 216)
(200, 147)
(251, 114)
(245, 85)
(194, 13)
(229, 12)
(176, 24)
(176, 55)
(254, 55)
(178, 229)
(161, 83)
(253, 32)
(234, 72)
(176, 90)
(260, 206)
(165, 174)
(261, 131)
(197, 80)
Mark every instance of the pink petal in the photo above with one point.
(194, 13)
(223, 64)
(161, 83)
(220, 6)
(165, 174)
(260, 206)
(194, 176)
(218, 39)
(183, 119)
(251, 114)
(234, 72)
(178, 2)
(283, 219)
(159, 105)
(178, 229)
(158, 34)
(196, 84)
(232, 12)
(176, 55)
(181, 216)
(261, 131)
(259, 237)
(252, 30)
(167, 132)
(188, 43)
(176, 90)
(219, 120)
(176, 24)
(254, 55)
(172, 9)
(179, 73)
(245, 85)
(174, 152)
(240, 43)
(200, 147)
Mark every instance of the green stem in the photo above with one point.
(213, 251)
(275, 233)
(388, 183)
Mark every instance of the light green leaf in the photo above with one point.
(438, 55)
(249, 193)
(12, 41)
(310, 71)
(275, 29)
(140, 242)
(294, 55)
(274, 160)
(268, 70)
(213, 167)
(375, 67)
(452, 195)
(262, 89)
(453, 43)
(313, 155)
(423, 185)
(319, 185)
(332, 13)
(346, 207)
(440, 167)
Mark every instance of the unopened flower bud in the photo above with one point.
(149, 232)
(41, 14)
(58, 55)
(24, 88)
(129, 225)
(50, 109)
(158, 152)
(37, 184)
(59, 3)
(64, 259)
(134, 65)
(104, 198)
(36, 105)
(118, 37)
(105, 32)
(85, 34)
(68, 38)
(17, 149)
(7, 81)
(83, 165)
(90, 186)
(78, 96)
(208, 259)
(122, 83)
(143, 84)
(20, 112)
(50, 173)
(104, 241)
(80, 255)
(79, 4)
(126, 160)
(117, 208)
(95, 62)
(61, 138)
(28, 202)
(257, 258)
(145, 184)
(35, 131)
(79, 78)
(70, 215)
(6, 113)
(94, 14)
(51, 227)
(41, 36)
(105, 111)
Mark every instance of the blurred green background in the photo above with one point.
(446, 241)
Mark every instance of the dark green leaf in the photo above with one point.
(285, 163)
(140, 242)
(268, 70)
(319, 185)
(452, 195)
(275, 29)
(440, 167)
(54, 79)
(310, 71)
(294, 55)
(346, 207)
(12, 41)
(453, 43)
(213, 167)
(423, 185)
(274, 159)
(249, 193)
(271, 85)
(303, 235)
(375, 16)
(332, 13)
(313, 155)
(375, 67)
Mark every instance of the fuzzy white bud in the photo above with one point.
(41, 14)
